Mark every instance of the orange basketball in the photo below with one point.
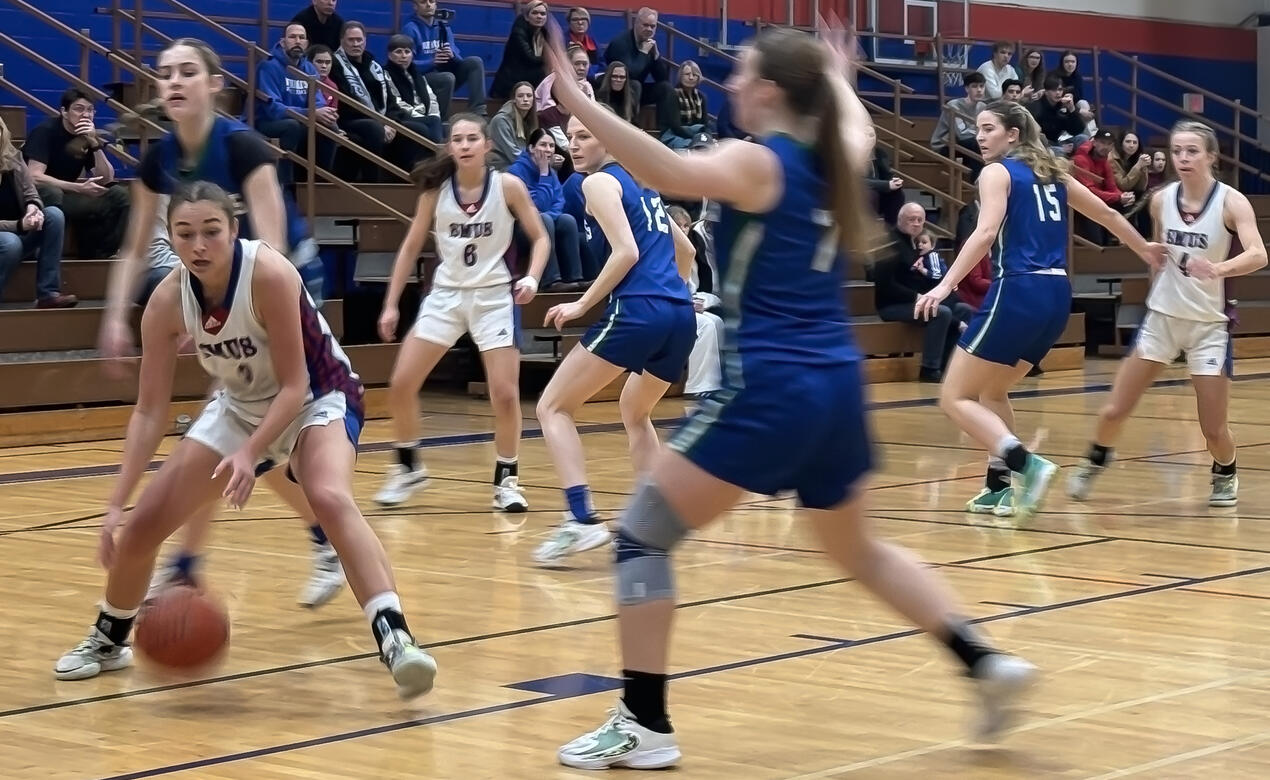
(182, 629)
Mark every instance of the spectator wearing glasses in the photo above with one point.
(637, 48)
(59, 152)
(580, 35)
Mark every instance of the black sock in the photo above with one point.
(645, 697)
(1016, 458)
(386, 621)
(1225, 471)
(1099, 455)
(504, 469)
(967, 645)
(116, 629)
(998, 478)
(406, 456)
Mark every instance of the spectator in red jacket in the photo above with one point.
(974, 287)
(1093, 168)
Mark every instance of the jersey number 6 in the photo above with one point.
(469, 255)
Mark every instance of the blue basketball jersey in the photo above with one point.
(783, 272)
(218, 165)
(1033, 235)
(654, 273)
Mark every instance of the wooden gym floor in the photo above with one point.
(1146, 611)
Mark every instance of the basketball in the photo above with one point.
(182, 629)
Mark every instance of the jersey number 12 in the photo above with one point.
(1047, 193)
(655, 214)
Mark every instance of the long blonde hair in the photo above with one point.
(1031, 148)
(10, 159)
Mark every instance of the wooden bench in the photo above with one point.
(85, 278)
(1251, 331)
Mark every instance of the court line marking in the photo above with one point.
(844, 645)
(1221, 747)
(448, 440)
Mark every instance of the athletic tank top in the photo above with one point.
(233, 347)
(217, 165)
(783, 273)
(472, 239)
(1173, 292)
(1033, 235)
(654, 274)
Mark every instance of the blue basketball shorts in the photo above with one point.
(642, 333)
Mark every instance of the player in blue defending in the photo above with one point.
(1024, 193)
(791, 413)
(205, 146)
(648, 329)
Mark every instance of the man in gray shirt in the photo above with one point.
(956, 125)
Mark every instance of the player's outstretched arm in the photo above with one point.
(1089, 204)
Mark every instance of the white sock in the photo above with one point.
(376, 604)
(1008, 442)
(507, 461)
(115, 612)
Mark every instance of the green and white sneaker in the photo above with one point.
(992, 502)
(1225, 490)
(1034, 480)
(621, 742)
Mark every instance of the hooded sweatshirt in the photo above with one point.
(285, 90)
(544, 188)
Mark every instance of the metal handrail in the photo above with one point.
(1233, 104)
(1223, 157)
(114, 149)
(1189, 114)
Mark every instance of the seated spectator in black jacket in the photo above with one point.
(366, 83)
(411, 88)
(637, 48)
(1055, 111)
(522, 54)
(321, 23)
(887, 188)
(901, 277)
(58, 152)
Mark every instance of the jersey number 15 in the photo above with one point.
(1047, 193)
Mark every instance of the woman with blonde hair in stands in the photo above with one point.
(29, 228)
(550, 114)
(1187, 311)
(509, 129)
(522, 54)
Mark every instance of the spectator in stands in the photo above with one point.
(619, 92)
(580, 35)
(1060, 122)
(723, 127)
(551, 114)
(1092, 167)
(29, 228)
(286, 90)
(323, 58)
(704, 362)
(974, 287)
(321, 24)
(59, 151)
(564, 270)
(437, 57)
(1131, 165)
(359, 76)
(522, 54)
(932, 265)
(1012, 91)
(1159, 173)
(1074, 84)
(998, 70)
(511, 127)
(644, 66)
(411, 89)
(1034, 74)
(887, 188)
(956, 126)
(898, 280)
(693, 116)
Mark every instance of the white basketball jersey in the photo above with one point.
(233, 347)
(472, 240)
(1174, 293)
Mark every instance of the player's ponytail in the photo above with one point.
(1031, 148)
(432, 173)
(797, 63)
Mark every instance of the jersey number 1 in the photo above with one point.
(655, 214)
(1047, 193)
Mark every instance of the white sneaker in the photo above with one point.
(508, 496)
(570, 537)
(1001, 680)
(400, 484)
(1081, 481)
(94, 655)
(412, 668)
(327, 578)
(167, 576)
(621, 742)
(1225, 490)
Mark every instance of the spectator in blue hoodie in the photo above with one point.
(285, 91)
(594, 244)
(438, 58)
(533, 167)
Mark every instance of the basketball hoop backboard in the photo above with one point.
(904, 28)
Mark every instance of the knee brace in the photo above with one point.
(648, 531)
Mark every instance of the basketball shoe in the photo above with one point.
(571, 537)
(621, 742)
(400, 484)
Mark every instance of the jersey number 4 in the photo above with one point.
(1047, 193)
(656, 214)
